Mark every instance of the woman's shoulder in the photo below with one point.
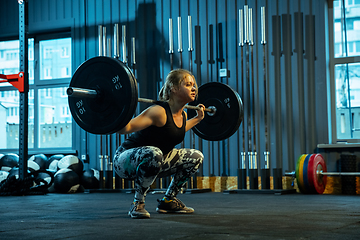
(157, 114)
(155, 109)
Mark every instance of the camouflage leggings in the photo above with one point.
(145, 164)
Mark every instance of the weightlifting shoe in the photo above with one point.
(173, 205)
(137, 210)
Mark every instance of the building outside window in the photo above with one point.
(49, 124)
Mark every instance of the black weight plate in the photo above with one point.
(229, 111)
(117, 100)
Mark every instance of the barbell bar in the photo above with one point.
(311, 173)
(90, 93)
(103, 97)
(339, 173)
(320, 172)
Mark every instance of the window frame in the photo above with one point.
(333, 61)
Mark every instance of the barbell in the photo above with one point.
(103, 97)
(311, 173)
(90, 93)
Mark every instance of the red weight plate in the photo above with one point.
(309, 174)
(316, 166)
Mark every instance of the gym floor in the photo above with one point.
(217, 216)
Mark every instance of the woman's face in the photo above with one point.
(187, 89)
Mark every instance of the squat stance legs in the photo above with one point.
(145, 164)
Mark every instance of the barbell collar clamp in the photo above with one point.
(81, 92)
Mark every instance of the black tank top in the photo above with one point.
(165, 138)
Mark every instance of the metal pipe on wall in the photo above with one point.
(180, 47)
(171, 43)
(116, 41)
(100, 39)
(104, 41)
(265, 169)
(124, 55)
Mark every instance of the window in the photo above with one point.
(54, 114)
(63, 93)
(31, 95)
(337, 26)
(31, 50)
(65, 72)
(357, 25)
(47, 73)
(345, 70)
(65, 111)
(50, 121)
(47, 53)
(9, 63)
(31, 75)
(9, 120)
(64, 52)
(46, 93)
(54, 57)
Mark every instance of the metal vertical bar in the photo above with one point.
(190, 49)
(133, 56)
(247, 87)
(24, 97)
(101, 156)
(277, 114)
(23, 126)
(310, 56)
(299, 49)
(242, 169)
(211, 61)
(124, 57)
(108, 47)
(180, 48)
(265, 171)
(246, 23)
(220, 61)
(116, 41)
(254, 184)
(197, 60)
(100, 38)
(171, 43)
(252, 82)
(287, 50)
(266, 92)
(241, 45)
(104, 41)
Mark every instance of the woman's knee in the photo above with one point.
(151, 161)
(197, 154)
